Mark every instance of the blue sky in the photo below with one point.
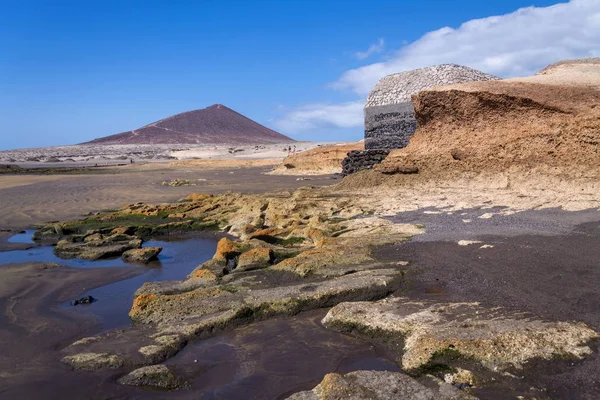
(71, 71)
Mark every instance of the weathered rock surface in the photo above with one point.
(96, 246)
(155, 376)
(378, 385)
(319, 161)
(298, 251)
(239, 298)
(389, 113)
(143, 255)
(94, 361)
(495, 337)
(260, 257)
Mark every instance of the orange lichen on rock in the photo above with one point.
(272, 232)
(197, 197)
(140, 303)
(226, 249)
(204, 274)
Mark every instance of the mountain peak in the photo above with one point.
(207, 126)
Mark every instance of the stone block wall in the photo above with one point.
(389, 126)
(358, 160)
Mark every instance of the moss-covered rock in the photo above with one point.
(378, 385)
(94, 361)
(96, 249)
(155, 376)
(497, 338)
(143, 255)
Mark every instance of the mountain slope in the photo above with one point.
(216, 124)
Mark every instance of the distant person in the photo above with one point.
(294, 149)
(131, 160)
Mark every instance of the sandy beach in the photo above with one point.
(34, 199)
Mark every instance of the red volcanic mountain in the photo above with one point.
(216, 124)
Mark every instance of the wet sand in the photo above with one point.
(33, 326)
(33, 199)
(544, 262)
(265, 360)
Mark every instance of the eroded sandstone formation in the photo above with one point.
(389, 113)
(549, 119)
(321, 160)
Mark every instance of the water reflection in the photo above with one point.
(113, 301)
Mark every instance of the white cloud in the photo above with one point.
(517, 44)
(315, 116)
(374, 48)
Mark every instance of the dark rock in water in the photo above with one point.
(83, 300)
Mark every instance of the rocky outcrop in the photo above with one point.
(318, 161)
(358, 160)
(144, 255)
(378, 385)
(296, 252)
(261, 257)
(550, 120)
(495, 337)
(389, 113)
(96, 246)
(200, 311)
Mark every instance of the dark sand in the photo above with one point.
(553, 274)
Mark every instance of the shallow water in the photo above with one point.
(25, 237)
(113, 301)
(274, 358)
(176, 261)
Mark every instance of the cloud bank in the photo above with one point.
(321, 115)
(515, 44)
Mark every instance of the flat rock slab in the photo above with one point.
(377, 385)
(496, 337)
(166, 322)
(154, 376)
